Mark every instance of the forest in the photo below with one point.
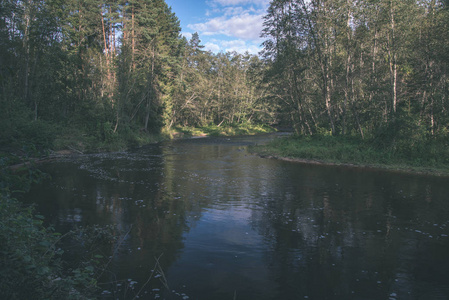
(360, 67)
(371, 75)
(352, 67)
(76, 72)
(117, 71)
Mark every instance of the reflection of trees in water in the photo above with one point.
(151, 203)
(134, 193)
(351, 233)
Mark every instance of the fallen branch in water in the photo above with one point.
(28, 162)
(157, 267)
(31, 162)
(119, 244)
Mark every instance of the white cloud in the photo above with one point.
(240, 46)
(237, 10)
(240, 2)
(244, 26)
(233, 44)
(212, 47)
(233, 11)
(187, 35)
(241, 21)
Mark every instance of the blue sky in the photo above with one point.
(223, 25)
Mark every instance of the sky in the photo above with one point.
(223, 25)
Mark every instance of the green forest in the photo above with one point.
(354, 67)
(102, 73)
(91, 72)
(371, 75)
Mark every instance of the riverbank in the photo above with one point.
(430, 158)
(23, 152)
(78, 142)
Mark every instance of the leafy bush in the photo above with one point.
(39, 133)
(30, 261)
(400, 135)
(32, 265)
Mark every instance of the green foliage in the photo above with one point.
(401, 135)
(218, 89)
(30, 259)
(14, 183)
(355, 67)
(39, 133)
(95, 75)
(223, 130)
(107, 133)
(19, 132)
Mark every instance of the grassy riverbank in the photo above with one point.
(42, 138)
(117, 141)
(226, 130)
(431, 156)
(43, 141)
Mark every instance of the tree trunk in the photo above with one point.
(133, 39)
(348, 65)
(392, 59)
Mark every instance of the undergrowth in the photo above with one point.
(222, 130)
(32, 262)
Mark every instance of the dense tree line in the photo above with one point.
(363, 67)
(110, 67)
(106, 67)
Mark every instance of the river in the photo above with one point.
(225, 224)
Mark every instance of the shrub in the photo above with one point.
(30, 264)
(31, 255)
(41, 134)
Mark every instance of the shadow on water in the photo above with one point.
(233, 225)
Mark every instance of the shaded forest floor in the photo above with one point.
(427, 157)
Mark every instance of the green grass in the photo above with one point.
(105, 139)
(224, 130)
(431, 156)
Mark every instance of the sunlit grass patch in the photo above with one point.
(222, 130)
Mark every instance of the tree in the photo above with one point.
(147, 62)
(346, 66)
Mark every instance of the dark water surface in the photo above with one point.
(230, 225)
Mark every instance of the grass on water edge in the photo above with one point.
(431, 157)
(215, 130)
(79, 142)
(66, 141)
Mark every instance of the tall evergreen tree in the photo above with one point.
(147, 62)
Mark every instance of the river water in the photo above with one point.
(225, 224)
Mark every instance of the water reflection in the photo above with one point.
(232, 225)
